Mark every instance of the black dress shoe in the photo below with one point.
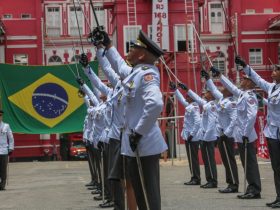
(107, 204)
(99, 198)
(94, 187)
(271, 203)
(249, 196)
(201, 186)
(89, 184)
(192, 182)
(95, 192)
(209, 185)
(275, 205)
(228, 190)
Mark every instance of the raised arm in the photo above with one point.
(253, 75)
(196, 98)
(118, 63)
(230, 86)
(112, 76)
(181, 98)
(96, 82)
(213, 89)
(90, 94)
(86, 100)
(257, 79)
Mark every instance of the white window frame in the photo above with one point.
(250, 11)
(254, 56)
(24, 63)
(60, 16)
(7, 16)
(81, 24)
(220, 63)
(268, 10)
(125, 38)
(176, 36)
(210, 17)
(97, 11)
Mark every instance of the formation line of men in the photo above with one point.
(228, 116)
(124, 141)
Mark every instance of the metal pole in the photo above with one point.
(225, 148)
(172, 142)
(142, 178)
(236, 45)
(102, 175)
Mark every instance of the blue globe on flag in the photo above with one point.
(50, 100)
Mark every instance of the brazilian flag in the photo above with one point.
(42, 99)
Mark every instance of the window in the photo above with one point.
(73, 26)
(100, 13)
(25, 16)
(219, 62)
(55, 60)
(216, 18)
(21, 59)
(130, 33)
(250, 11)
(268, 10)
(7, 16)
(255, 56)
(180, 38)
(53, 21)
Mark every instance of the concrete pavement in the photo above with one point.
(60, 186)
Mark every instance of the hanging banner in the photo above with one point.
(42, 99)
(160, 29)
(261, 143)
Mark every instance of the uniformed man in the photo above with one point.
(6, 149)
(190, 134)
(272, 127)
(101, 113)
(86, 131)
(227, 114)
(208, 134)
(245, 133)
(142, 136)
(115, 169)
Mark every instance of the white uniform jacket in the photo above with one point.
(227, 112)
(143, 106)
(209, 117)
(192, 118)
(273, 103)
(6, 139)
(247, 108)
